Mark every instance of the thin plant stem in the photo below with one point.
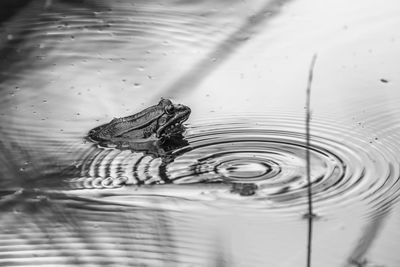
(310, 214)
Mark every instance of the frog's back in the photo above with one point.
(98, 133)
(133, 126)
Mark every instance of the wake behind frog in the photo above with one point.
(156, 123)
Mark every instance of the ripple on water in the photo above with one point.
(269, 153)
(257, 161)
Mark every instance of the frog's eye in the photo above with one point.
(169, 109)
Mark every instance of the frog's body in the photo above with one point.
(161, 121)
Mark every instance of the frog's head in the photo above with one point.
(171, 118)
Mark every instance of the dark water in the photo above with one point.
(236, 193)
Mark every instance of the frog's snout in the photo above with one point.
(184, 109)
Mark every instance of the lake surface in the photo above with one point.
(235, 193)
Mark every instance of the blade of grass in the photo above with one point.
(310, 214)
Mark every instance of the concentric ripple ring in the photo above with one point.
(347, 165)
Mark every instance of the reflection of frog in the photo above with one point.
(159, 122)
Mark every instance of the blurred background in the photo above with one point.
(67, 66)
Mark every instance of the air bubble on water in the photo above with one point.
(137, 84)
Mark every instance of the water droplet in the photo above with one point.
(136, 84)
(384, 80)
(10, 37)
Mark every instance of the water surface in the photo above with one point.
(236, 193)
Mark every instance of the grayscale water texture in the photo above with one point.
(235, 195)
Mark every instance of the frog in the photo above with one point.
(158, 123)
